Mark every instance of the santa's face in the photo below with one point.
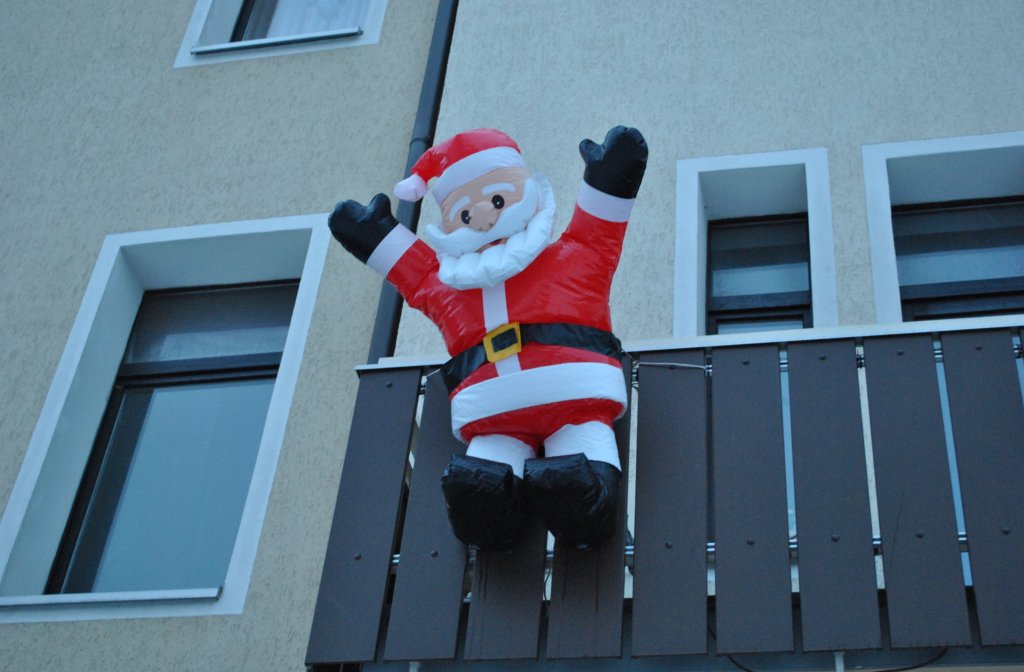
(510, 221)
(478, 205)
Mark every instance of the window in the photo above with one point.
(946, 219)
(162, 352)
(960, 258)
(758, 274)
(223, 30)
(163, 491)
(754, 246)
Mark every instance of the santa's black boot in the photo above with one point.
(485, 502)
(577, 499)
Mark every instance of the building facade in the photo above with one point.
(797, 150)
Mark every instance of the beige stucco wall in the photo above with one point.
(99, 134)
(704, 79)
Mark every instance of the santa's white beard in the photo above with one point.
(527, 225)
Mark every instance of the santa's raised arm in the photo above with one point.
(535, 376)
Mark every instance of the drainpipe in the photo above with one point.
(389, 308)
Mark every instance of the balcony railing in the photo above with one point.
(901, 452)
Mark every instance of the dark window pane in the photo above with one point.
(725, 326)
(758, 274)
(960, 259)
(254, 20)
(169, 497)
(161, 500)
(759, 257)
(282, 18)
(211, 323)
(983, 242)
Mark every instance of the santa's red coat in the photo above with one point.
(544, 387)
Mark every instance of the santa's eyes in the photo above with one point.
(497, 201)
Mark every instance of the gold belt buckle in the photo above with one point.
(502, 351)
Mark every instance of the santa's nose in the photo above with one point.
(483, 216)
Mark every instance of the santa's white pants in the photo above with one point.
(594, 439)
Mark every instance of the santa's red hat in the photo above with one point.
(458, 160)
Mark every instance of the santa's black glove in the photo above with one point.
(361, 228)
(617, 166)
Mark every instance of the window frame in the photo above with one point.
(766, 306)
(220, 16)
(778, 189)
(128, 265)
(132, 377)
(961, 298)
(925, 171)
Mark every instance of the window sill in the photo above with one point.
(188, 594)
(131, 604)
(227, 47)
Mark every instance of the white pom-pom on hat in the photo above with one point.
(411, 188)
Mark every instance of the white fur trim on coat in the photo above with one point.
(604, 206)
(391, 249)
(533, 387)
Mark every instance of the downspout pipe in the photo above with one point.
(389, 307)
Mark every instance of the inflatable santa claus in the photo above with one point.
(535, 377)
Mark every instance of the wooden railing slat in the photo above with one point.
(920, 553)
(988, 432)
(352, 589)
(752, 572)
(671, 533)
(507, 595)
(838, 590)
(585, 612)
(429, 583)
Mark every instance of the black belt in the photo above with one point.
(508, 339)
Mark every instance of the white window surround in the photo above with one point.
(749, 185)
(923, 171)
(217, 17)
(128, 265)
